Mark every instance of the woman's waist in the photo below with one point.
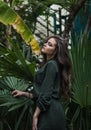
(55, 97)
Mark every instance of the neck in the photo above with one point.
(49, 57)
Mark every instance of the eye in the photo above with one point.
(50, 44)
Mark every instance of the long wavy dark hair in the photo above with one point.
(64, 62)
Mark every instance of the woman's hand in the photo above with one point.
(17, 93)
(35, 123)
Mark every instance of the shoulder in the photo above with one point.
(52, 62)
(52, 65)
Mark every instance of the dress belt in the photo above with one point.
(56, 98)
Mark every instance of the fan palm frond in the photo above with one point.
(81, 59)
(13, 63)
(16, 107)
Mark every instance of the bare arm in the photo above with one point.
(37, 112)
(17, 93)
(35, 118)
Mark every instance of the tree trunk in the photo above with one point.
(73, 13)
(88, 26)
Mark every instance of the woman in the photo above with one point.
(51, 80)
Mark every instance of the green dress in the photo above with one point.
(46, 94)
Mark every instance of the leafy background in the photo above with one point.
(17, 65)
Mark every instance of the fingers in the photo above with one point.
(16, 93)
(34, 127)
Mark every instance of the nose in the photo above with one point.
(45, 44)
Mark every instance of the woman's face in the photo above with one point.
(49, 48)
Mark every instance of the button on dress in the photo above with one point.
(46, 94)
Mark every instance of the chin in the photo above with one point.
(42, 50)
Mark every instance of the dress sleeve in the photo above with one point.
(45, 96)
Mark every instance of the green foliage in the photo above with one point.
(79, 108)
(14, 111)
(18, 24)
(81, 59)
(12, 62)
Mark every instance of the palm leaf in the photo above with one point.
(20, 117)
(81, 59)
(19, 107)
(21, 104)
(13, 63)
(11, 83)
(11, 104)
(7, 100)
(9, 17)
(7, 85)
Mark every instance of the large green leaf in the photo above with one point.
(9, 17)
(19, 106)
(11, 83)
(13, 63)
(7, 100)
(81, 59)
(14, 107)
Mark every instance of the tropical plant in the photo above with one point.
(17, 24)
(80, 107)
(16, 113)
(16, 73)
(13, 63)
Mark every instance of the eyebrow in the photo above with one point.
(52, 44)
(49, 42)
